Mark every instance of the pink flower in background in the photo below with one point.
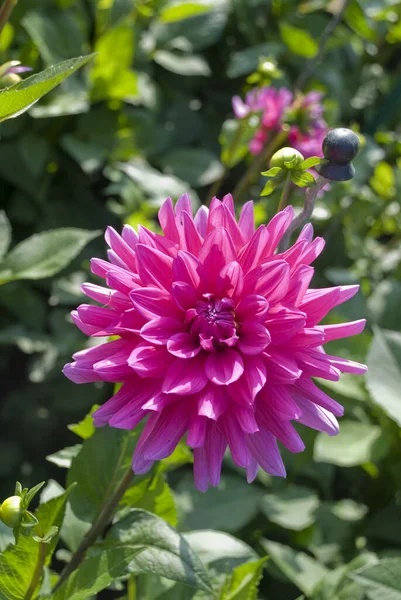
(219, 338)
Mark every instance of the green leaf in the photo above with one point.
(44, 254)
(234, 138)
(164, 551)
(357, 443)
(302, 178)
(32, 493)
(5, 233)
(20, 97)
(308, 163)
(298, 41)
(384, 374)
(247, 60)
(243, 583)
(292, 507)
(273, 172)
(301, 569)
(182, 64)
(232, 496)
(383, 180)
(85, 428)
(197, 166)
(272, 184)
(154, 495)
(18, 562)
(63, 458)
(356, 19)
(178, 10)
(381, 581)
(48, 536)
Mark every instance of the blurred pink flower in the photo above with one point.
(218, 338)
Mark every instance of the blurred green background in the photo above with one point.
(142, 122)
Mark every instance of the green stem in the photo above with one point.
(38, 572)
(131, 588)
(285, 192)
(214, 188)
(99, 525)
(5, 12)
(257, 163)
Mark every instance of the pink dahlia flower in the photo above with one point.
(219, 338)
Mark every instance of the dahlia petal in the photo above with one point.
(153, 302)
(215, 446)
(160, 330)
(263, 447)
(293, 254)
(157, 241)
(277, 228)
(197, 431)
(277, 399)
(80, 372)
(228, 202)
(236, 440)
(190, 238)
(100, 267)
(230, 280)
(201, 220)
(254, 338)
(121, 248)
(140, 465)
(187, 268)
(317, 303)
(114, 368)
(221, 216)
(252, 253)
(299, 283)
(217, 250)
(306, 233)
(283, 431)
(347, 366)
(159, 401)
(252, 308)
(116, 260)
(154, 267)
(312, 251)
(183, 204)
(307, 337)
(274, 281)
(168, 430)
(252, 470)
(281, 368)
(185, 377)
(131, 322)
(149, 361)
(99, 352)
(317, 417)
(121, 280)
(283, 323)
(308, 390)
(132, 412)
(244, 390)
(130, 236)
(317, 364)
(212, 402)
(86, 329)
(246, 419)
(240, 109)
(184, 295)
(183, 345)
(224, 367)
(96, 316)
(342, 330)
(130, 392)
(109, 298)
(247, 221)
(167, 221)
(201, 471)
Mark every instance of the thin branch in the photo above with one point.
(5, 12)
(323, 40)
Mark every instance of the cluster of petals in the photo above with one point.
(277, 107)
(218, 338)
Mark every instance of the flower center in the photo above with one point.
(213, 320)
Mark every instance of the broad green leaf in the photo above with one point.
(244, 581)
(247, 60)
(182, 64)
(384, 374)
(99, 569)
(383, 180)
(357, 443)
(163, 550)
(178, 10)
(5, 233)
(292, 507)
(44, 254)
(198, 166)
(272, 184)
(63, 458)
(337, 585)
(232, 496)
(273, 172)
(20, 97)
(85, 428)
(302, 178)
(300, 568)
(154, 495)
(384, 304)
(308, 163)
(298, 40)
(381, 581)
(18, 562)
(357, 20)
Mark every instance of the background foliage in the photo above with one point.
(141, 121)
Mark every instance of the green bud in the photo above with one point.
(287, 158)
(11, 511)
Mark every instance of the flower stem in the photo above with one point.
(257, 163)
(5, 12)
(38, 572)
(285, 192)
(131, 588)
(214, 188)
(305, 214)
(98, 526)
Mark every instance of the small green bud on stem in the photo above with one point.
(11, 511)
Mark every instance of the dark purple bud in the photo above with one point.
(340, 146)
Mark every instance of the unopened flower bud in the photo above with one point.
(340, 146)
(287, 158)
(11, 511)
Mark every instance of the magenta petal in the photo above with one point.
(247, 221)
(153, 302)
(121, 248)
(263, 447)
(277, 227)
(254, 337)
(217, 250)
(215, 446)
(317, 303)
(160, 330)
(299, 283)
(342, 330)
(115, 368)
(254, 252)
(201, 220)
(236, 440)
(149, 361)
(246, 419)
(283, 431)
(167, 431)
(167, 221)
(212, 402)
(154, 267)
(187, 268)
(201, 471)
(191, 240)
(230, 280)
(252, 470)
(277, 399)
(244, 390)
(224, 367)
(109, 298)
(121, 280)
(308, 390)
(185, 376)
(80, 372)
(283, 323)
(317, 417)
(101, 351)
(252, 308)
(347, 366)
(183, 204)
(281, 367)
(183, 345)
(184, 295)
(317, 364)
(196, 431)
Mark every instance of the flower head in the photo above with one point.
(219, 338)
